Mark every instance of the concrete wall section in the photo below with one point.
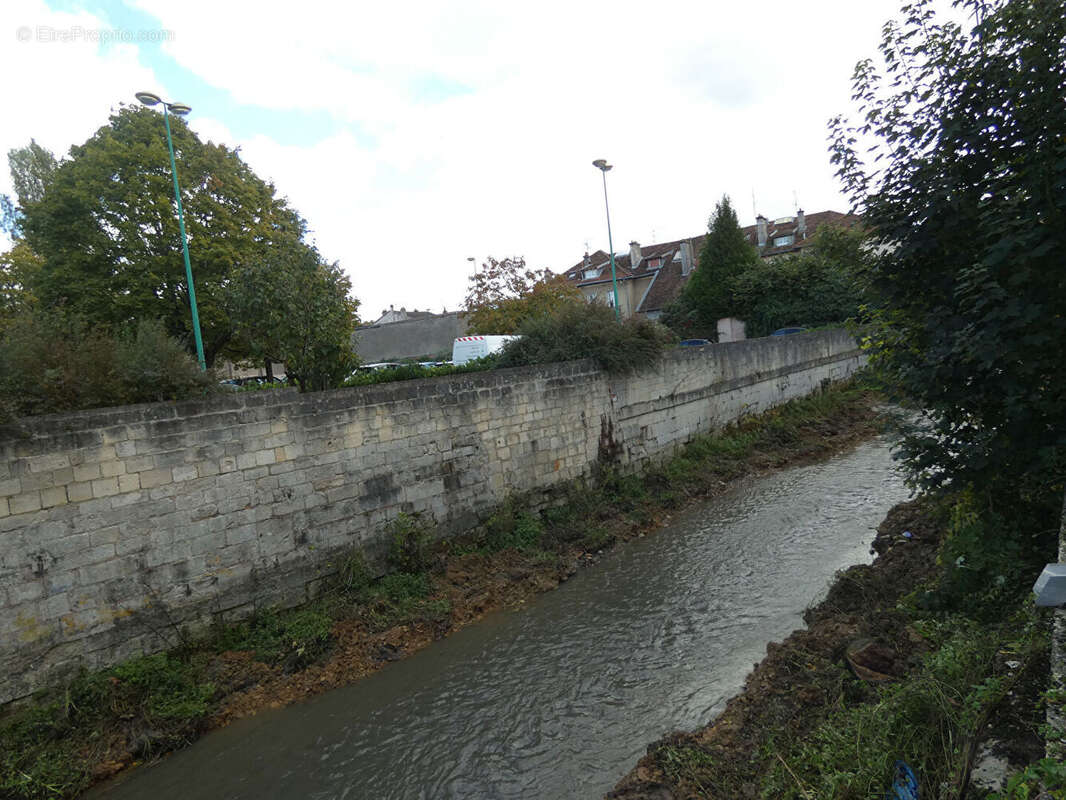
(408, 339)
(117, 525)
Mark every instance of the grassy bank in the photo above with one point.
(104, 721)
(904, 660)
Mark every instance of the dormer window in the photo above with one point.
(655, 263)
(781, 241)
(591, 273)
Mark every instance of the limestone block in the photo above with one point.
(109, 469)
(25, 502)
(56, 496)
(48, 462)
(184, 473)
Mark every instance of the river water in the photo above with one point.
(559, 699)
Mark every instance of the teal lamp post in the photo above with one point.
(150, 99)
(602, 165)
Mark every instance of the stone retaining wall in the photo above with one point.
(117, 525)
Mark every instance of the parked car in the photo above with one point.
(787, 331)
(467, 348)
(693, 342)
(377, 366)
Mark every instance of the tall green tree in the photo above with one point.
(32, 170)
(707, 296)
(958, 164)
(107, 230)
(296, 308)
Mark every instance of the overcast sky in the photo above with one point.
(412, 135)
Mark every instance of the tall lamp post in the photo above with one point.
(150, 99)
(602, 165)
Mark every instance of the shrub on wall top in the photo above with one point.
(588, 331)
(53, 362)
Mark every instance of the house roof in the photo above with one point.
(667, 280)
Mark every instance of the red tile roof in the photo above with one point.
(667, 280)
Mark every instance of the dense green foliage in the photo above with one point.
(52, 362)
(503, 294)
(707, 297)
(824, 284)
(964, 184)
(106, 232)
(578, 331)
(292, 307)
(929, 720)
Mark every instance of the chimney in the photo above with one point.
(801, 225)
(686, 257)
(760, 224)
(635, 255)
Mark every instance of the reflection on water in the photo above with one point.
(559, 700)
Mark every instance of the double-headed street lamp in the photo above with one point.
(602, 165)
(150, 99)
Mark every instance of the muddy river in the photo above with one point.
(559, 699)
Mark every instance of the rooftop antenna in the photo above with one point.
(795, 199)
(754, 209)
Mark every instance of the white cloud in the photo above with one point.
(689, 100)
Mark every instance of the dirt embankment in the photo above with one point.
(794, 688)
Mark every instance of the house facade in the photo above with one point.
(651, 277)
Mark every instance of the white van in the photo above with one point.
(467, 348)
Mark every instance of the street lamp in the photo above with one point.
(150, 99)
(473, 262)
(602, 165)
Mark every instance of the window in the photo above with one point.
(781, 241)
(655, 263)
(591, 273)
